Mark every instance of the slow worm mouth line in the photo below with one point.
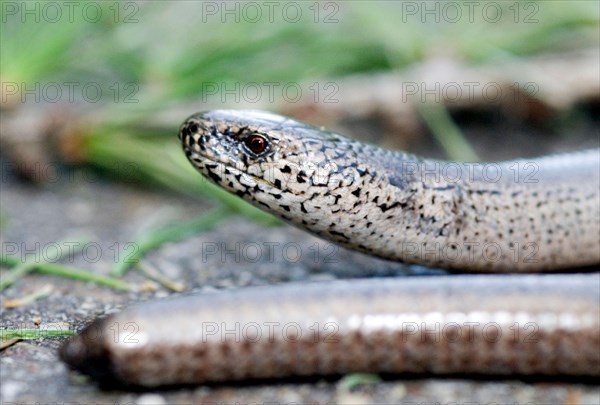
(234, 170)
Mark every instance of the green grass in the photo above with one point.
(156, 55)
(28, 334)
(159, 54)
(20, 269)
(151, 240)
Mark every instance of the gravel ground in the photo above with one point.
(110, 216)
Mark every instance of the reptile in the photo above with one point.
(521, 216)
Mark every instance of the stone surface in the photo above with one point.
(234, 255)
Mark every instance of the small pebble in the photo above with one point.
(151, 399)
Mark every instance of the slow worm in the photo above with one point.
(528, 215)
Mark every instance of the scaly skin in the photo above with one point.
(395, 206)
(518, 216)
(490, 325)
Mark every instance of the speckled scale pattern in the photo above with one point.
(524, 215)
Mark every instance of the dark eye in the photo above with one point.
(256, 143)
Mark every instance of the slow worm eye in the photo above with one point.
(257, 144)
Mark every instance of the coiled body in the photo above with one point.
(524, 216)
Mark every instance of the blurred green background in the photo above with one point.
(125, 62)
(121, 65)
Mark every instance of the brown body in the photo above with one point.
(494, 325)
(538, 215)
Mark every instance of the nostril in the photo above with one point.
(188, 129)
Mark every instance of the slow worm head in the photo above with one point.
(516, 216)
